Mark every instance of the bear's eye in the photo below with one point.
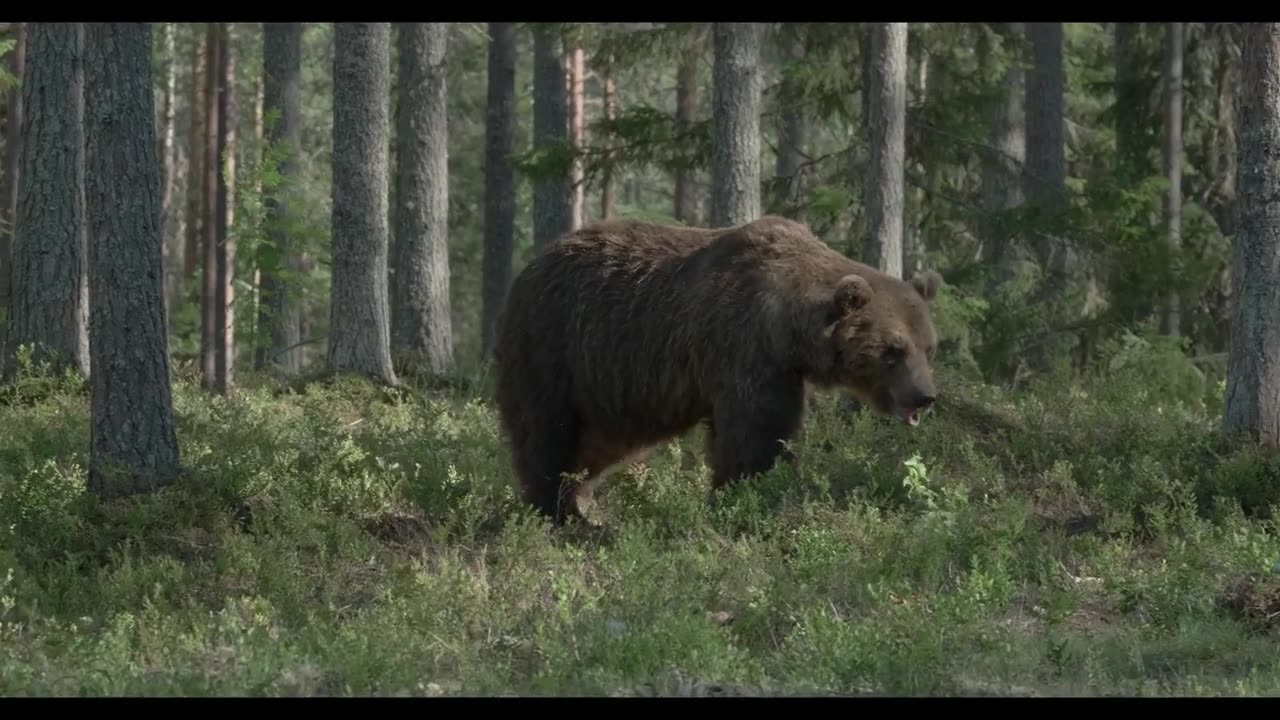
(893, 354)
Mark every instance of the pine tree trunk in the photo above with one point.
(168, 219)
(421, 332)
(133, 445)
(195, 162)
(1253, 373)
(12, 160)
(735, 155)
(1172, 151)
(279, 309)
(1045, 178)
(886, 126)
(552, 196)
(212, 174)
(577, 116)
(499, 177)
(606, 173)
(224, 296)
(793, 125)
(359, 319)
(49, 302)
(686, 195)
(1002, 161)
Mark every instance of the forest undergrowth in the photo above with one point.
(1078, 536)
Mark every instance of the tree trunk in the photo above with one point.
(49, 302)
(1002, 161)
(280, 311)
(134, 446)
(1253, 373)
(422, 331)
(793, 125)
(359, 320)
(577, 113)
(224, 296)
(552, 198)
(168, 157)
(735, 155)
(686, 200)
(1172, 152)
(499, 177)
(1045, 178)
(212, 174)
(13, 155)
(886, 126)
(195, 160)
(606, 173)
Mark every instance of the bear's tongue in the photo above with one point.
(910, 417)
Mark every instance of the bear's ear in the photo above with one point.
(852, 292)
(927, 284)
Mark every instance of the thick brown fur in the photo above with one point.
(624, 335)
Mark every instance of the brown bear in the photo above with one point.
(624, 335)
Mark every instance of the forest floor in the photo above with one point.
(338, 539)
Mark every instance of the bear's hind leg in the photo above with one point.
(544, 458)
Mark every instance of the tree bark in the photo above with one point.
(224, 295)
(133, 445)
(212, 172)
(577, 116)
(12, 160)
(1172, 154)
(195, 163)
(168, 156)
(735, 156)
(1045, 173)
(1253, 359)
(1002, 161)
(50, 293)
(499, 177)
(359, 318)
(422, 331)
(280, 311)
(552, 196)
(686, 195)
(793, 124)
(886, 126)
(606, 173)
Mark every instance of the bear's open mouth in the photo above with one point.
(908, 416)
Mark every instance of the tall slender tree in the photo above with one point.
(1171, 320)
(1253, 373)
(793, 122)
(225, 248)
(279, 309)
(886, 126)
(421, 330)
(49, 307)
(686, 195)
(12, 162)
(499, 177)
(209, 206)
(735, 159)
(133, 443)
(1002, 161)
(359, 316)
(552, 196)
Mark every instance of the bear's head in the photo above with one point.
(883, 341)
